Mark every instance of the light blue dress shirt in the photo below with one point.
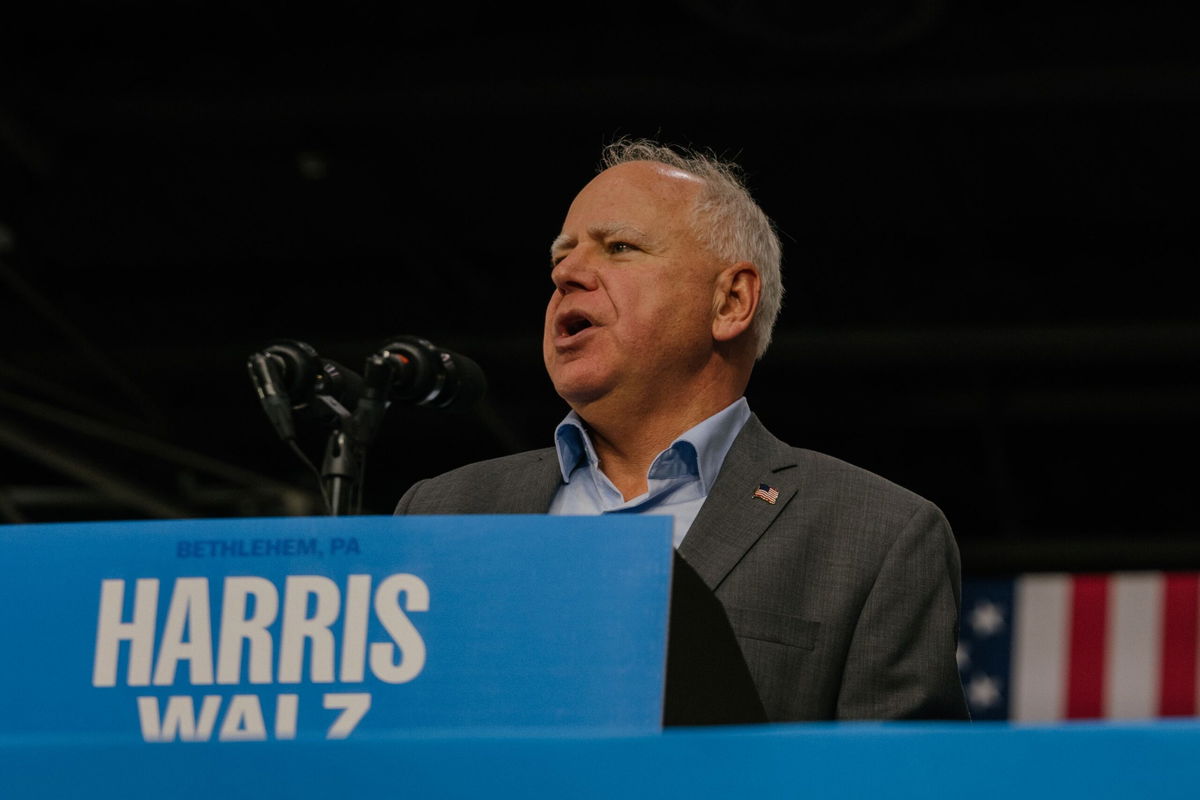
(678, 480)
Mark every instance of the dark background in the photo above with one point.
(988, 212)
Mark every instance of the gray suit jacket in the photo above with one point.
(844, 594)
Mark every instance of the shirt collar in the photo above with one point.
(574, 445)
(709, 441)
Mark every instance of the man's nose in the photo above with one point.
(574, 272)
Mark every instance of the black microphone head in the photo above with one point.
(465, 383)
(307, 376)
(431, 376)
(417, 367)
(297, 363)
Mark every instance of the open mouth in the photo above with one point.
(572, 323)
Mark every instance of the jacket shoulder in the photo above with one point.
(512, 484)
(835, 480)
(822, 479)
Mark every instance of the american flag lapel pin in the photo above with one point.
(768, 493)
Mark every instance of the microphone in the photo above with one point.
(427, 375)
(289, 376)
(266, 373)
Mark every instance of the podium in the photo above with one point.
(440, 656)
(327, 628)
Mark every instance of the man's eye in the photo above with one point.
(620, 247)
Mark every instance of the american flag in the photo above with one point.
(768, 493)
(1055, 646)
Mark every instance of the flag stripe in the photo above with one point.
(1179, 642)
(1039, 653)
(1134, 645)
(1120, 645)
(1085, 654)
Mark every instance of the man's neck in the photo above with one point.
(627, 443)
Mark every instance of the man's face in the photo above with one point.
(632, 309)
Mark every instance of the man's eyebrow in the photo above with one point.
(561, 242)
(608, 229)
(599, 232)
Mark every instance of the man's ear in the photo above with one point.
(735, 301)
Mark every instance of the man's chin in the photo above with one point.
(578, 399)
(582, 390)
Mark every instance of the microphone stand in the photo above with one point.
(341, 472)
(346, 448)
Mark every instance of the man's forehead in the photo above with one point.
(650, 173)
(668, 171)
(628, 200)
(631, 190)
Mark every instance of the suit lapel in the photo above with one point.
(533, 488)
(732, 519)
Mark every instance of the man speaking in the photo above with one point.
(841, 587)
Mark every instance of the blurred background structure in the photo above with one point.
(988, 213)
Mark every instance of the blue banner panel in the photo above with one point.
(328, 628)
(896, 761)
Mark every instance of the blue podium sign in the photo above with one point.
(328, 628)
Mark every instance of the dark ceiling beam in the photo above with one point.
(81, 346)
(349, 105)
(129, 440)
(72, 464)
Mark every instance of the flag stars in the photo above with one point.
(986, 619)
(983, 691)
(962, 655)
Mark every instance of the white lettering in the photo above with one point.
(286, 708)
(400, 628)
(179, 719)
(298, 626)
(111, 631)
(189, 610)
(354, 708)
(243, 720)
(235, 627)
(251, 608)
(354, 628)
